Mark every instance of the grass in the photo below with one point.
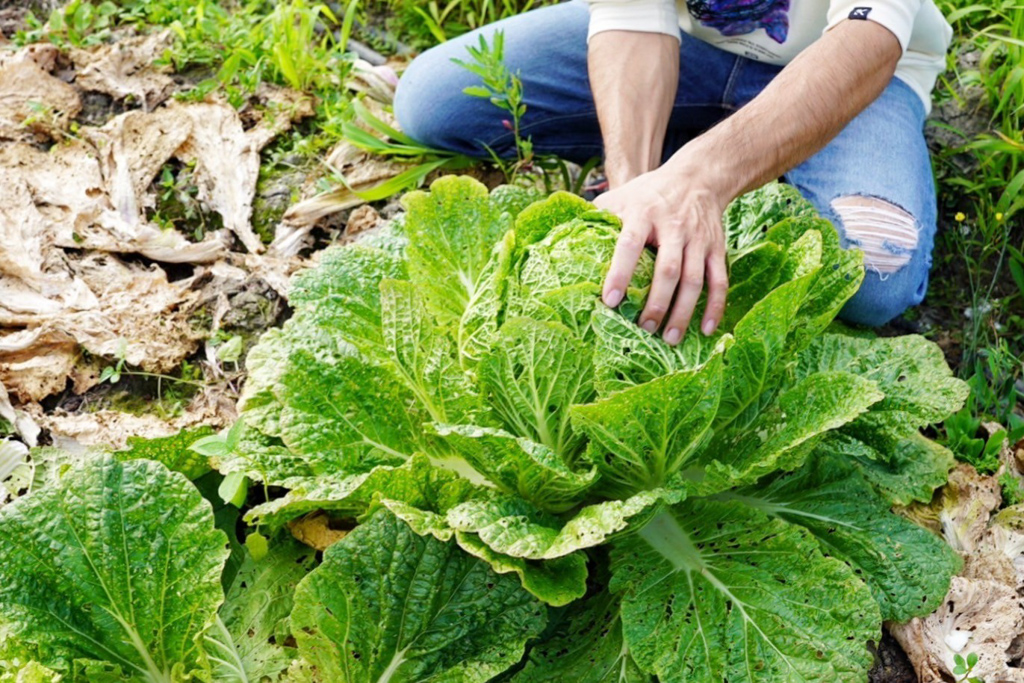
(421, 24)
(227, 47)
(978, 277)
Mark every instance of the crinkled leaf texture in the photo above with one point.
(417, 482)
(467, 391)
(715, 591)
(119, 563)
(534, 372)
(33, 672)
(911, 371)
(916, 467)
(518, 466)
(390, 605)
(750, 216)
(172, 451)
(907, 567)
(556, 582)
(248, 640)
(451, 231)
(641, 435)
(587, 647)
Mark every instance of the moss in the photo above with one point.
(278, 188)
(147, 395)
(266, 214)
(201, 321)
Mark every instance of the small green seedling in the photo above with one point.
(964, 667)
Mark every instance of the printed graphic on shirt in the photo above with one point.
(860, 13)
(739, 17)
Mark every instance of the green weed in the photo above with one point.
(994, 397)
(964, 667)
(987, 202)
(171, 392)
(387, 141)
(423, 24)
(504, 89)
(177, 203)
(1012, 489)
(77, 24)
(979, 254)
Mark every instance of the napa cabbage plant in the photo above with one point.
(541, 490)
(728, 499)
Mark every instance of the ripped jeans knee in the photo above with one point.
(890, 238)
(886, 234)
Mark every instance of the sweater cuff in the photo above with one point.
(644, 16)
(896, 15)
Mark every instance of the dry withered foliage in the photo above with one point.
(361, 171)
(376, 82)
(126, 69)
(111, 429)
(361, 219)
(22, 424)
(35, 106)
(81, 275)
(984, 610)
(315, 531)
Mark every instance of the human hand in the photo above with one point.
(684, 221)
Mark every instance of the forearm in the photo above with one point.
(633, 77)
(804, 107)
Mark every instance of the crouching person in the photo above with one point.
(694, 103)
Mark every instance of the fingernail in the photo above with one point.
(612, 298)
(650, 326)
(672, 336)
(708, 327)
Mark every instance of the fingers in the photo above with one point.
(690, 251)
(718, 287)
(689, 292)
(668, 266)
(628, 248)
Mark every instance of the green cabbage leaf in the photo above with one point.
(116, 568)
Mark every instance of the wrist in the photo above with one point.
(619, 174)
(682, 178)
(622, 167)
(703, 163)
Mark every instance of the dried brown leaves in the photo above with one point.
(984, 610)
(34, 105)
(315, 531)
(361, 171)
(74, 223)
(126, 69)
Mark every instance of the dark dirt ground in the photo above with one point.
(891, 663)
(38, 6)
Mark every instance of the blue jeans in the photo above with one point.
(873, 181)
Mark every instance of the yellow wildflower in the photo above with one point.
(960, 217)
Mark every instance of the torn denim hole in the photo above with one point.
(886, 234)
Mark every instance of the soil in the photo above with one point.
(38, 7)
(12, 20)
(891, 663)
(98, 108)
(959, 119)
